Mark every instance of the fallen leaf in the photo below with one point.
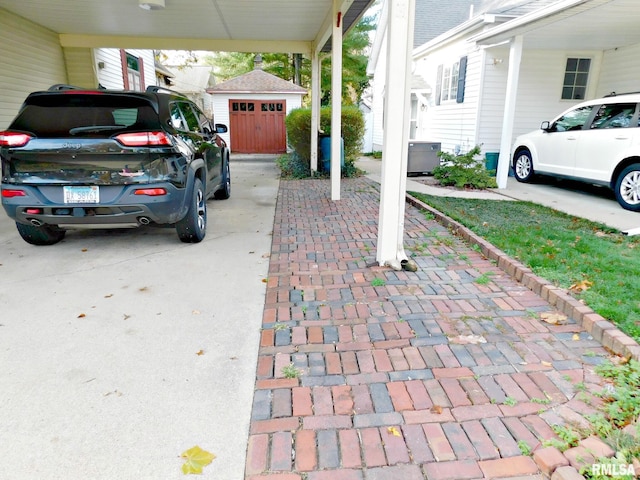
(547, 364)
(575, 337)
(266, 255)
(196, 459)
(109, 295)
(84, 250)
(553, 318)
(126, 316)
(200, 352)
(393, 431)
(264, 280)
(196, 312)
(581, 286)
(436, 409)
(143, 289)
(82, 315)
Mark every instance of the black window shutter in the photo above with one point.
(439, 85)
(462, 76)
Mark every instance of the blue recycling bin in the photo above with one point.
(491, 161)
(325, 152)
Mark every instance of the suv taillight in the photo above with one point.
(143, 139)
(14, 139)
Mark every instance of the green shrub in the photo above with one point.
(463, 171)
(293, 166)
(298, 124)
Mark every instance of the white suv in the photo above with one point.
(597, 141)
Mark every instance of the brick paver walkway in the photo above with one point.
(445, 373)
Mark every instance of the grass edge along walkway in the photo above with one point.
(588, 263)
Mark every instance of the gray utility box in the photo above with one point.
(423, 156)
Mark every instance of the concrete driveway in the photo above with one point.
(594, 203)
(119, 350)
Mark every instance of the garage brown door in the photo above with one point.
(257, 126)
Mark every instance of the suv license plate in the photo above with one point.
(89, 194)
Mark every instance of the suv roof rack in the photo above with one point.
(158, 89)
(61, 86)
(615, 94)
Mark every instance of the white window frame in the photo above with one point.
(449, 86)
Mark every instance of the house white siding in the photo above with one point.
(111, 77)
(80, 67)
(450, 123)
(31, 60)
(378, 94)
(620, 71)
(221, 106)
(539, 91)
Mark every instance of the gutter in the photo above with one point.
(461, 31)
(510, 29)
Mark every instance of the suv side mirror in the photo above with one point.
(546, 126)
(221, 128)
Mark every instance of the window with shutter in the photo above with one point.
(450, 82)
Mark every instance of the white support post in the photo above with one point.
(336, 98)
(315, 108)
(508, 118)
(390, 250)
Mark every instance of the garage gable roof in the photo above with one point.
(257, 81)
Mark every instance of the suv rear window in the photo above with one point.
(74, 115)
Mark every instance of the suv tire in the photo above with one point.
(193, 227)
(523, 166)
(225, 191)
(627, 188)
(43, 235)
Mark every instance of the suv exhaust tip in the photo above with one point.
(35, 222)
(144, 220)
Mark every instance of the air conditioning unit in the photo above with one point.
(423, 156)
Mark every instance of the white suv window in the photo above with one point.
(616, 115)
(573, 120)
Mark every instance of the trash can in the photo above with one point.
(325, 152)
(491, 161)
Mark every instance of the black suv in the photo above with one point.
(75, 158)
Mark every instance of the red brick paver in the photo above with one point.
(411, 375)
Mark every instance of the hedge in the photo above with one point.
(298, 124)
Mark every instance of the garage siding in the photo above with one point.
(221, 106)
(32, 59)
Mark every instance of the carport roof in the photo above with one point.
(572, 25)
(298, 26)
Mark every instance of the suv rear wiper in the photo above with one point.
(95, 128)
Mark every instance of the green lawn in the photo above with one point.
(563, 249)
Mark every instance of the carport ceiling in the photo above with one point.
(217, 25)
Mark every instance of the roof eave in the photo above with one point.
(254, 92)
(523, 23)
(460, 31)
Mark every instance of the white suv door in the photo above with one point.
(611, 132)
(556, 149)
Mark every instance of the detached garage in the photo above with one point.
(254, 106)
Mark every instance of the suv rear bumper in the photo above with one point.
(124, 210)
